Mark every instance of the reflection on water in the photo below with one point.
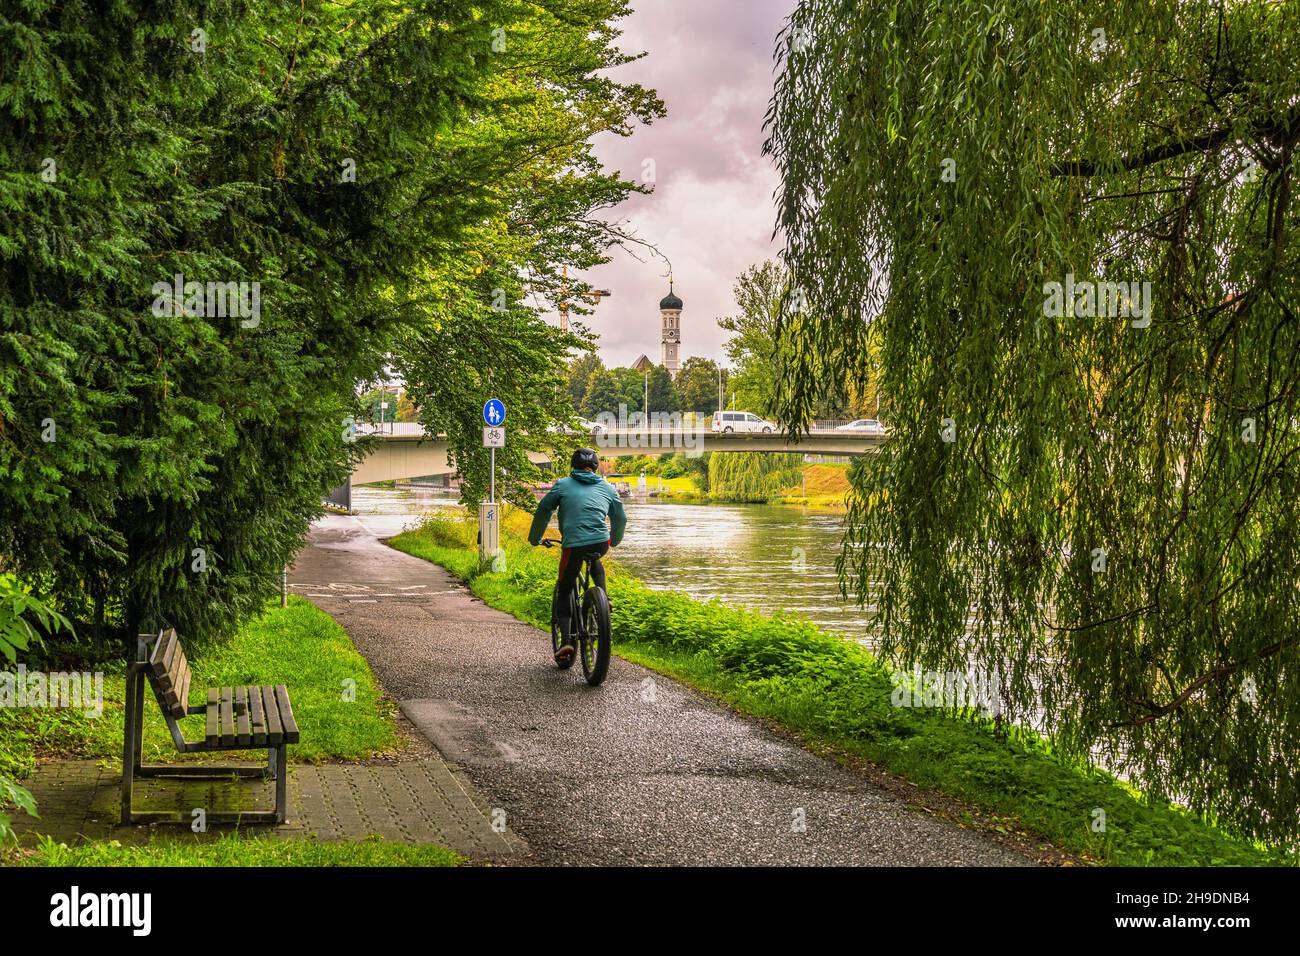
(766, 557)
(388, 511)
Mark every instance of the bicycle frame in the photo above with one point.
(580, 585)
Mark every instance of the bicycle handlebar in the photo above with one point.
(550, 542)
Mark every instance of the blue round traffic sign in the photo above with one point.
(494, 413)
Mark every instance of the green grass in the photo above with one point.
(234, 850)
(837, 697)
(300, 646)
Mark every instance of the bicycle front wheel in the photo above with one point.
(597, 636)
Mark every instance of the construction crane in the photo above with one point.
(595, 294)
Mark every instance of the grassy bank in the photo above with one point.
(233, 850)
(837, 697)
(824, 486)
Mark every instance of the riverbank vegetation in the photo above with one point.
(739, 477)
(837, 696)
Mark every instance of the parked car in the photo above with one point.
(861, 425)
(741, 422)
(584, 425)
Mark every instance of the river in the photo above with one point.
(766, 557)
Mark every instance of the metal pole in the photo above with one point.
(492, 479)
(284, 586)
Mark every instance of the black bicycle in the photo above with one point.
(592, 630)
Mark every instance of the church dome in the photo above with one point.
(670, 301)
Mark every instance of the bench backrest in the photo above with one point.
(169, 673)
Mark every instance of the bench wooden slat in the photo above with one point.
(182, 705)
(214, 727)
(256, 715)
(241, 716)
(171, 676)
(286, 714)
(178, 665)
(227, 718)
(274, 728)
(163, 652)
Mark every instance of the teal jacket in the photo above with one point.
(584, 499)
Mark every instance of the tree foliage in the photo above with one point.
(602, 394)
(662, 396)
(752, 476)
(762, 293)
(383, 170)
(477, 329)
(697, 385)
(1104, 510)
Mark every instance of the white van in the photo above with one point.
(741, 422)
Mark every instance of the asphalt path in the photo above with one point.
(641, 770)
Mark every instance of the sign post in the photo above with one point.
(489, 514)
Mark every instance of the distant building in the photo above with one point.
(670, 310)
(643, 364)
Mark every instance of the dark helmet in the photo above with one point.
(584, 458)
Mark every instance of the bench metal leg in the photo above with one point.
(133, 740)
(128, 747)
(280, 759)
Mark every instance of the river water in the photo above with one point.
(765, 557)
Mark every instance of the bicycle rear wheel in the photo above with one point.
(597, 635)
(557, 638)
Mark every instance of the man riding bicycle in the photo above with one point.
(585, 499)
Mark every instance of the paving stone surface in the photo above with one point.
(418, 800)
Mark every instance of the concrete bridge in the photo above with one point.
(407, 451)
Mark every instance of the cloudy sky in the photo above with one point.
(712, 210)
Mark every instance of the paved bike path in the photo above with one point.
(642, 770)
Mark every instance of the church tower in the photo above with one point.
(670, 309)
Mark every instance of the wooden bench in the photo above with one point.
(238, 718)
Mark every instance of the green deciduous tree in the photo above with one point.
(631, 388)
(602, 395)
(580, 371)
(1096, 499)
(662, 396)
(477, 328)
(697, 385)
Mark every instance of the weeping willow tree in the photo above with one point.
(1071, 230)
(752, 476)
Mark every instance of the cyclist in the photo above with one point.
(584, 500)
